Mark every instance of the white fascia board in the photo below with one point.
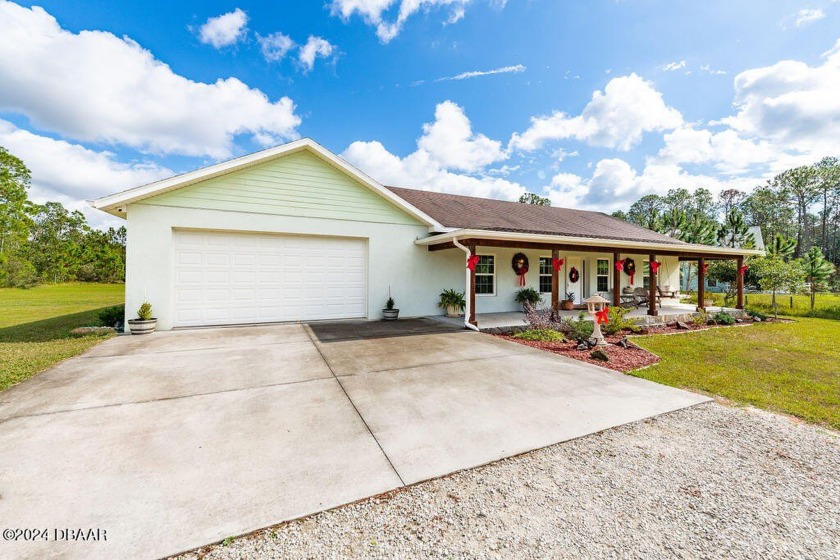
(626, 245)
(115, 202)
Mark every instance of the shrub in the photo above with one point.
(528, 297)
(581, 330)
(755, 314)
(452, 298)
(723, 318)
(112, 316)
(618, 322)
(145, 312)
(700, 318)
(541, 335)
(389, 305)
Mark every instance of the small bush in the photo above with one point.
(700, 318)
(112, 316)
(581, 330)
(618, 322)
(145, 312)
(528, 297)
(723, 318)
(541, 335)
(755, 314)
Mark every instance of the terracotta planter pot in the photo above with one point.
(390, 314)
(567, 305)
(138, 326)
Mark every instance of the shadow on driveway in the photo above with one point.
(342, 331)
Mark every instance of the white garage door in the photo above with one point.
(232, 278)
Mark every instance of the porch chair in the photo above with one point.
(666, 292)
(641, 296)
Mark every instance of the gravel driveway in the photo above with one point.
(710, 481)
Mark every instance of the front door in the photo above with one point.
(574, 278)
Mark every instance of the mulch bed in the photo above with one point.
(621, 359)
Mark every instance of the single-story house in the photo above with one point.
(295, 233)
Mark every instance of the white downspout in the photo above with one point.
(468, 309)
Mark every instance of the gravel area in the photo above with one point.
(712, 481)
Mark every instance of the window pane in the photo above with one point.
(545, 265)
(483, 284)
(603, 284)
(545, 284)
(603, 267)
(485, 265)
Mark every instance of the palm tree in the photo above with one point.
(817, 270)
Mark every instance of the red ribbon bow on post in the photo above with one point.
(705, 267)
(557, 264)
(619, 265)
(472, 260)
(743, 270)
(654, 266)
(603, 316)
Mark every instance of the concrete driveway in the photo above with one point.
(183, 438)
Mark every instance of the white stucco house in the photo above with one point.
(295, 233)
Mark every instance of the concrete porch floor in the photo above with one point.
(670, 310)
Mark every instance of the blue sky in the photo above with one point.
(592, 103)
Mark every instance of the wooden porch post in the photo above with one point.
(740, 282)
(555, 283)
(471, 295)
(616, 295)
(652, 310)
(701, 284)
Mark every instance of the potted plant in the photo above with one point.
(390, 313)
(569, 303)
(528, 297)
(453, 301)
(144, 323)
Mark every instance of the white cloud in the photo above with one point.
(93, 86)
(806, 16)
(275, 46)
(375, 12)
(451, 142)
(791, 104)
(616, 118)
(709, 70)
(672, 66)
(516, 69)
(315, 47)
(420, 170)
(62, 170)
(224, 30)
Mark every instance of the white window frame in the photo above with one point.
(597, 276)
(540, 275)
(495, 270)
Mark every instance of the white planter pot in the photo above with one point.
(452, 311)
(138, 326)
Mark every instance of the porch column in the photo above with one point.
(616, 295)
(555, 283)
(471, 295)
(652, 309)
(740, 282)
(701, 284)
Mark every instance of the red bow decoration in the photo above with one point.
(654, 266)
(619, 265)
(743, 270)
(472, 260)
(603, 317)
(705, 267)
(557, 264)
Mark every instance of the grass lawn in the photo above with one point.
(35, 325)
(826, 305)
(792, 368)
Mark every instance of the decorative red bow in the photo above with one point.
(743, 270)
(472, 260)
(619, 265)
(705, 267)
(603, 317)
(557, 264)
(654, 266)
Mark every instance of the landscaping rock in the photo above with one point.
(599, 355)
(583, 346)
(682, 326)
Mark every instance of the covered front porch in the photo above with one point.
(568, 270)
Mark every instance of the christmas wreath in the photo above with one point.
(574, 275)
(630, 269)
(520, 267)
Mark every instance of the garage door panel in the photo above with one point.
(225, 278)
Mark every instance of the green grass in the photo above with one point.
(792, 368)
(35, 325)
(826, 305)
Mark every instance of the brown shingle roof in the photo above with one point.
(467, 212)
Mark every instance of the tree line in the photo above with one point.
(47, 242)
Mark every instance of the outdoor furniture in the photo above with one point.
(628, 300)
(641, 296)
(666, 291)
